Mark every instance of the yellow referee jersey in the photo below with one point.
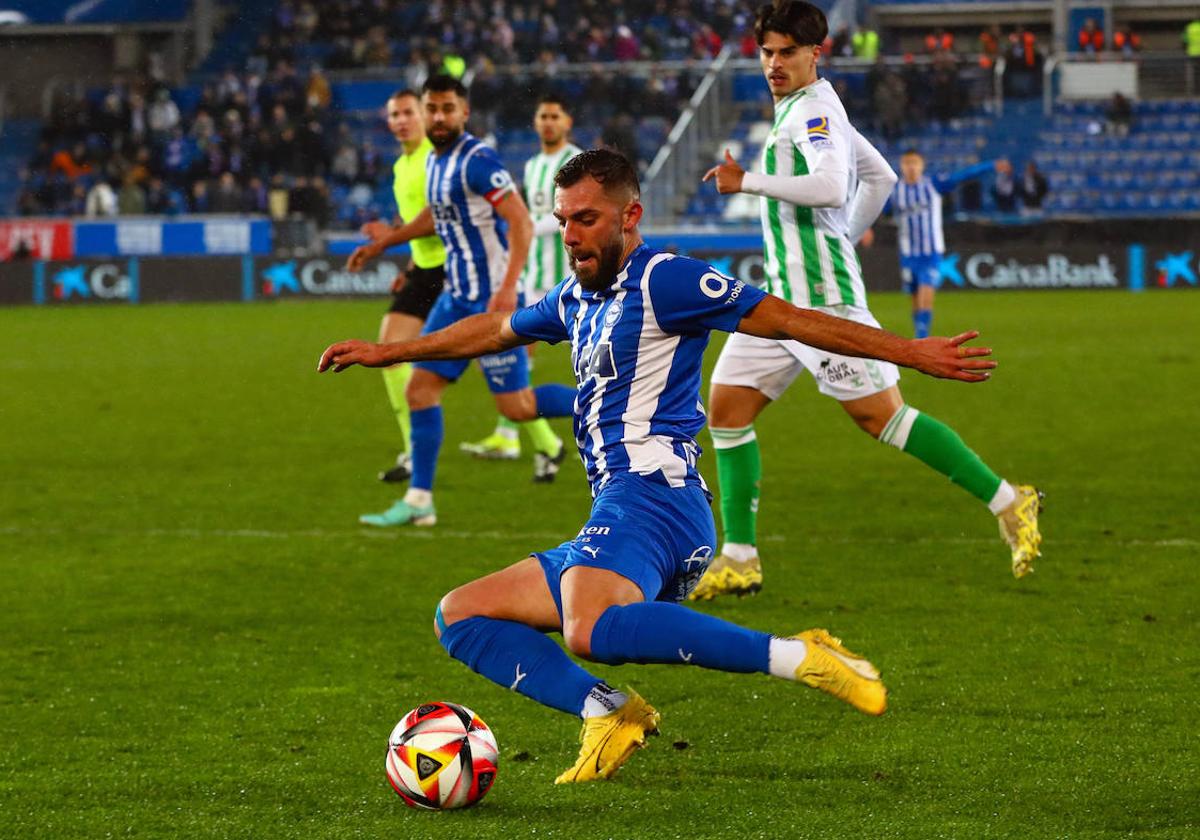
(408, 185)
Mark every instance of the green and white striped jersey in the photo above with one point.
(546, 264)
(810, 260)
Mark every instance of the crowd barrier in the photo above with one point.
(979, 257)
(68, 239)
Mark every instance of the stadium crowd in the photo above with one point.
(268, 138)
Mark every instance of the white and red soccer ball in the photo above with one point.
(441, 756)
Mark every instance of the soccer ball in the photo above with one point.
(441, 756)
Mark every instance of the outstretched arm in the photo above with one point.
(947, 358)
(945, 183)
(479, 335)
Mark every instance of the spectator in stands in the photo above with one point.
(200, 201)
(839, 44)
(163, 116)
(101, 200)
(226, 198)
(939, 41)
(1091, 38)
(1033, 187)
(625, 45)
(706, 43)
(254, 198)
(1126, 41)
(1023, 64)
(989, 47)
(891, 100)
(131, 200)
(945, 95)
(317, 92)
(1119, 115)
(1004, 189)
(865, 42)
(72, 164)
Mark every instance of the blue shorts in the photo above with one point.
(504, 372)
(920, 271)
(657, 536)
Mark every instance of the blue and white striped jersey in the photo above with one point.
(463, 185)
(918, 210)
(637, 349)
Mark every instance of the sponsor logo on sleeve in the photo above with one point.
(818, 133)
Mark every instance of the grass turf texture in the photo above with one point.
(199, 641)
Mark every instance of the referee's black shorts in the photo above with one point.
(420, 291)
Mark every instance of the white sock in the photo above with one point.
(784, 657)
(418, 498)
(602, 700)
(740, 552)
(1005, 496)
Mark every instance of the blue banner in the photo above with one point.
(154, 238)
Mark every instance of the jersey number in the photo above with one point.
(600, 365)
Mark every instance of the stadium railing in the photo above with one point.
(1167, 75)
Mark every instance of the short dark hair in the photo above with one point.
(612, 170)
(403, 92)
(803, 22)
(442, 83)
(911, 150)
(554, 99)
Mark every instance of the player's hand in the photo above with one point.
(503, 300)
(362, 255)
(398, 282)
(346, 353)
(728, 174)
(953, 358)
(868, 238)
(374, 230)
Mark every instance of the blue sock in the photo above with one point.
(519, 658)
(555, 400)
(672, 634)
(922, 322)
(426, 442)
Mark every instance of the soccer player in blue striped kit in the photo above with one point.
(474, 206)
(916, 203)
(638, 321)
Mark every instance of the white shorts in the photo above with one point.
(769, 366)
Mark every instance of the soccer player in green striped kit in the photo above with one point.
(808, 186)
(546, 264)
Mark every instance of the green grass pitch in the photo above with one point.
(199, 641)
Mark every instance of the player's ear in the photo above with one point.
(631, 215)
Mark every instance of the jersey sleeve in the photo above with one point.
(824, 136)
(690, 296)
(542, 321)
(487, 177)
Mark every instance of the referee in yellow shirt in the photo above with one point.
(414, 291)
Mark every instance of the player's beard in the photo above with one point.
(444, 140)
(606, 265)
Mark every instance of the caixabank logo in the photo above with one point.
(320, 277)
(986, 270)
(100, 281)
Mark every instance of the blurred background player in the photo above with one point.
(809, 176)
(474, 207)
(916, 204)
(414, 291)
(547, 261)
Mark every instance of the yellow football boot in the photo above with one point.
(726, 576)
(1019, 528)
(835, 670)
(609, 740)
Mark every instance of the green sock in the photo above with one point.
(395, 379)
(543, 437)
(503, 424)
(933, 442)
(739, 473)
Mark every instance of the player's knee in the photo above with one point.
(517, 406)
(577, 635)
(454, 607)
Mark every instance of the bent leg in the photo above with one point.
(886, 416)
(493, 626)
